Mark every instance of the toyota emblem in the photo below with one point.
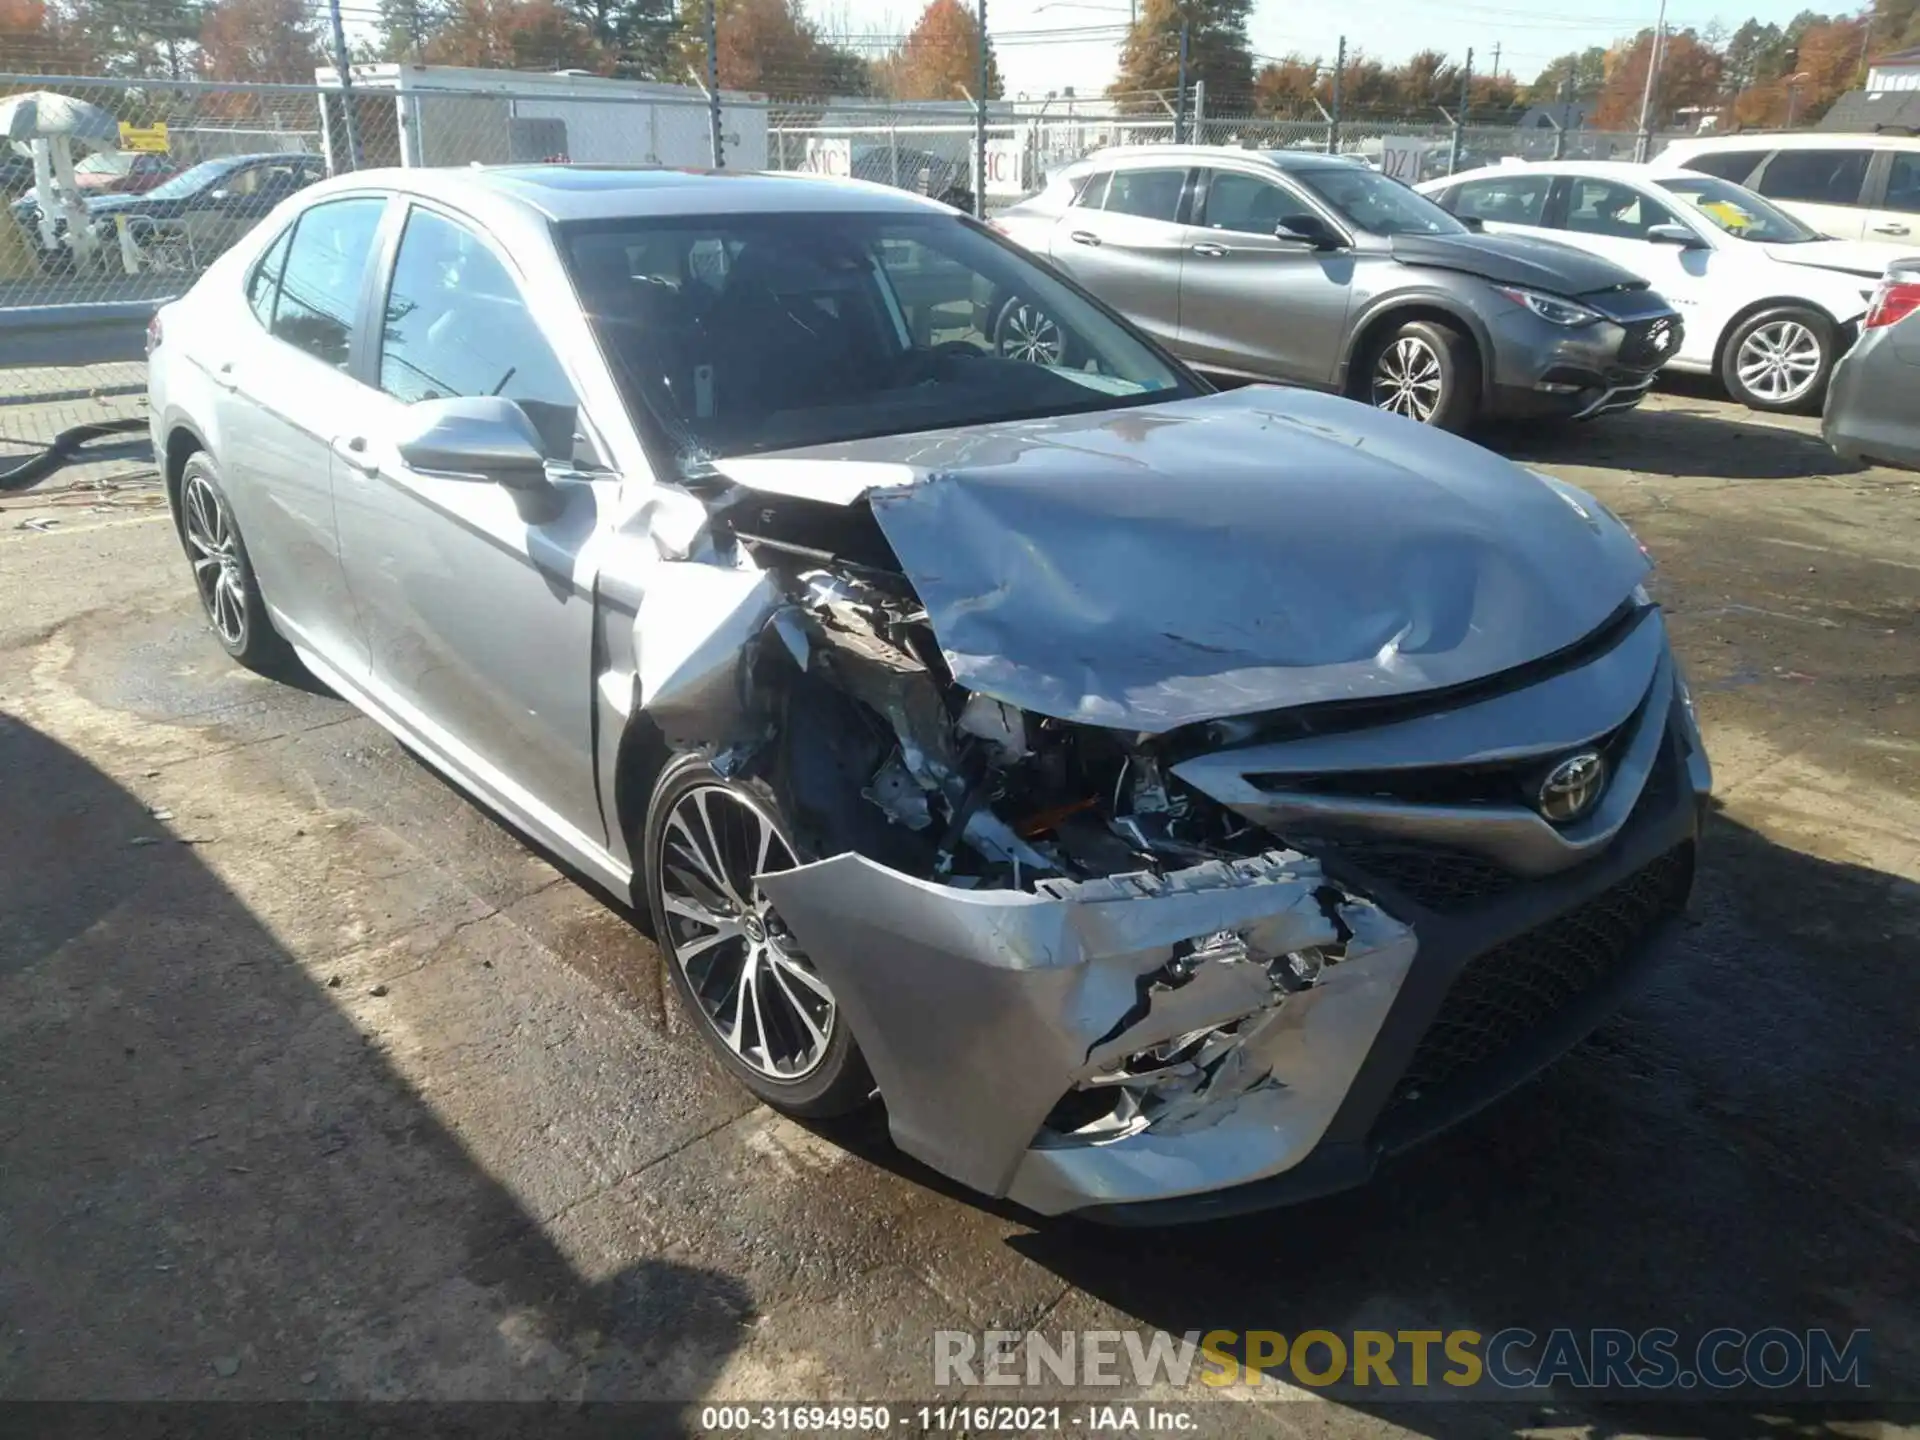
(1573, 787)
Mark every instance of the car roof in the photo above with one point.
(562, 193)
(1798, 140)
(1216, 154)
(1599, 169)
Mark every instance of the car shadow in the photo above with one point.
(1735, 1148)
(1689, 436)
(213, 1185)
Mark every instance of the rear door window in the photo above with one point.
(320, 285)
(1734, 165)
(1818, 177)
(1149, 194)
(1903, 182)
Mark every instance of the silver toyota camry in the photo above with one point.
(1168, 803)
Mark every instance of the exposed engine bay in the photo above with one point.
(876, 749)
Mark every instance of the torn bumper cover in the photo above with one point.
(1248, 994)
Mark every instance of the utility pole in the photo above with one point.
(1566, 116)
(345, 72)
(980, 122)
(1333, 117)
(1643, 142)
(1496, 60)
(713, 87)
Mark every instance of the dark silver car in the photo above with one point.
(1873, 404)
(1167, 801)
(1315, 270)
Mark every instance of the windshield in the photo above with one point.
(732, 334)
(190, 182)
(1737, 210)
(1371, 201)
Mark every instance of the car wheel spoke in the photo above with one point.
(761, 999)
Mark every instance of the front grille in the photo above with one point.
(1442, 880)
(1650, 342)
(1500, 997)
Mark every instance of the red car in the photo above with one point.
(122, 172)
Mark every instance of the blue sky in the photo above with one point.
(1035, 59)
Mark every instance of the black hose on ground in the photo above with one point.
(50, 458)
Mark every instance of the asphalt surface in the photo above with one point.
(315, 1082)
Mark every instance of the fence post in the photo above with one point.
(345, 72)
(980, 123)
(1559, 138)
(1199, 126)
(713, 87)
(1333, 116)
(1460, 121)
(1180, 92)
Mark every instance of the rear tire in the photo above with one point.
(1023, 331)
(223, 574)
(1780, 359)
(1427, 372)
(749, 988)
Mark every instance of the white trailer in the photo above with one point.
(449, 115)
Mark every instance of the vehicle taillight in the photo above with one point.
(153, 333)
(1897, 298)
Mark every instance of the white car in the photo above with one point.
(1852, 187)
(1770, 304)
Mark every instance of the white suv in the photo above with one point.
(1852, 187)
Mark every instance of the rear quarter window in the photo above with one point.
(1734, 165)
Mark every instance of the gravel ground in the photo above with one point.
(316, 1083)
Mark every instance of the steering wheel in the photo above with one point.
(919, 366)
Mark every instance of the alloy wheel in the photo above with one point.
(754, 984)
(1779, 361)
(1030, 334)
(217, 567)
(1407, 379)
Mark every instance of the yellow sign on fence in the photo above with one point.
(151, 138)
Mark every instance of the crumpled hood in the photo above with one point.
(1151, 567)
(1518, 260)
(1855, 257)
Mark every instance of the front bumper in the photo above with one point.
(1546, 370)
(980, 1011)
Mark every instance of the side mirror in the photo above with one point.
(482, 438)
(220, 197)
(1678, 235)
(1317, 234)
(1473, 223)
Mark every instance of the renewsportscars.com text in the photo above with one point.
(1436, 1362)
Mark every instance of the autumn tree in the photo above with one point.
(1822, 67)
(1896, 25)
(33, 39)
(1689, 77)
(136, 37)
(1217, 51)
(1579, 76)
(940, 58)
(638, 37)
(408, 26)
(273, 41)
(513, 35)
(1289, 88)
(771, 47)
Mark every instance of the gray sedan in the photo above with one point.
(1873, 405)
(1165, 802)
(1314, 270)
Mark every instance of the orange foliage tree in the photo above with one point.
(940, 58)
(1690, 76)
(514, 35)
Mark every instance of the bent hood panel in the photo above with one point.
(1518, 260)
(1145, 569)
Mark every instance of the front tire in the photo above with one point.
(1427, 372)
(1025, 332)
(1780, 359)
(223, 575)
(752, 991)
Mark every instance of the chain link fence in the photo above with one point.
(158, 177)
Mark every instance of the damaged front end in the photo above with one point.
(1076, 979)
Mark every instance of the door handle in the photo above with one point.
(354, 452)
(1084, 237)
(1889, 229)
(1212, 252)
